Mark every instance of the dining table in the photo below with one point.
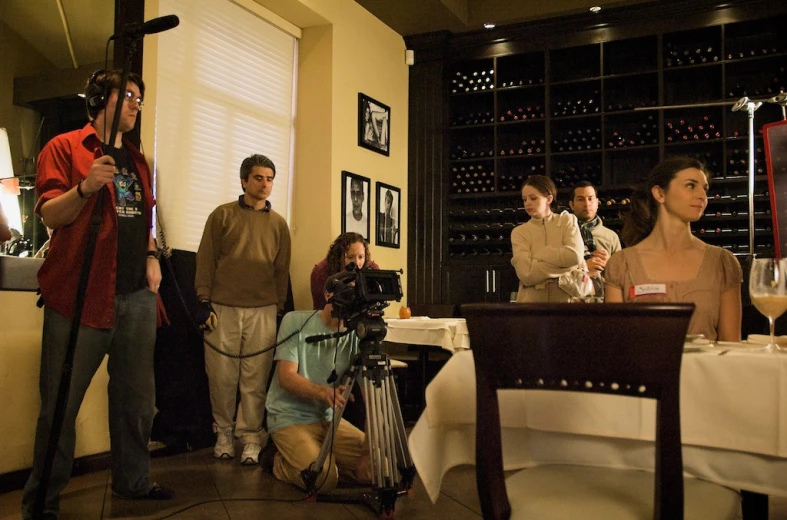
(733, 402)
(446, 333)
(428, 335)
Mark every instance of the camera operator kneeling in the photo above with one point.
(301, 402)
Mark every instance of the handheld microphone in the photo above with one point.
(156, 25)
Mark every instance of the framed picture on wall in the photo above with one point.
(389, 209)
(374, 125)
(355, 204)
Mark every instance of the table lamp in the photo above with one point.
(9, 184)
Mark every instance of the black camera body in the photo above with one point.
(361, 296)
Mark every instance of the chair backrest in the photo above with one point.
(630, 349)
(434, 310)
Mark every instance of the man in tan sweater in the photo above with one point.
(243, 264)
(600, 242)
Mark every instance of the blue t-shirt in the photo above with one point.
(315, 363)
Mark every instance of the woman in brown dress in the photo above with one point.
(664, 262)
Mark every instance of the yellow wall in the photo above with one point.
(356, 53)
(20, 355)
(312, 204)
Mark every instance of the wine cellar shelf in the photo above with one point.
(593, 112)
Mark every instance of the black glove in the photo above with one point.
(206, 316)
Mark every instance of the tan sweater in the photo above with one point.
(543, 250)
(606, 239)
(244, 257)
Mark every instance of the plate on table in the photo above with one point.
(696, 343)
(691, 347)
(742, 346)
(764, 339)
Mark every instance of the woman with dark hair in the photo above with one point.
(664, 262)
(348, 248)
(547, 246)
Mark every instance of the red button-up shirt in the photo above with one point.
(63, 163)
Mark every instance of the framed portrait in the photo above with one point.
(355, 204)
(374, 125)
(389, 210)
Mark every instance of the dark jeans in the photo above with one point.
(131, 389)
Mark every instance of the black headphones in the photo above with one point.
(96, 92)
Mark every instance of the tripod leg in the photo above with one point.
(388, 440)
(310, 474)
(372, 428)
(404, 460)
(392, 466)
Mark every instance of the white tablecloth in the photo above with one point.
(447, 333)
(733, 414)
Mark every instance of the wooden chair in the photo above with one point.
(623, 349)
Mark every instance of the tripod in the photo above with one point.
(391, 465)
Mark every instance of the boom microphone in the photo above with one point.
(156, 25)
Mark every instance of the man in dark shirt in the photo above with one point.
(120, 306)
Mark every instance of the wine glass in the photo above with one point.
(768, 292)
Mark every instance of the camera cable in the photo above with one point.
(166, 254)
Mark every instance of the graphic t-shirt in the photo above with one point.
(132, 225)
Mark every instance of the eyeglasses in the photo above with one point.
(130, 96)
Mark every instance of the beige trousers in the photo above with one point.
(240, 331)
(299, 446)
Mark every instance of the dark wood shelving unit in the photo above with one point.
(585, 108)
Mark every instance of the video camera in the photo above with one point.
(360, 295)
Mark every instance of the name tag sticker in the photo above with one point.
(647, 289)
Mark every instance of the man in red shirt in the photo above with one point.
(120, 305)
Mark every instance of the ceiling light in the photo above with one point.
(595, 9)
(489, 25)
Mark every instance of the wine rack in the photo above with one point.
(591, 112)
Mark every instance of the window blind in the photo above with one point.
(225, 90)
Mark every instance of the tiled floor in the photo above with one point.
(207, 488)
(211, 489)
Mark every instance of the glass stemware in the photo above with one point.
(768, 292)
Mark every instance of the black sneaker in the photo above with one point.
(156, 492)
(266, 456)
